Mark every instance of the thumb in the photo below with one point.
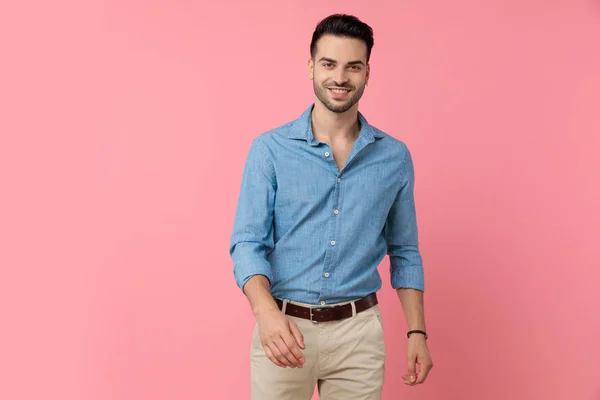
(297, 334)
(411, 370)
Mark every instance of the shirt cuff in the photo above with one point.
(406, 276)
(250, 261)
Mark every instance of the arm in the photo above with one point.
(251, 241)
(401, 235)
(406, 270)
(252, 236)
(412, 305)
(259, 295)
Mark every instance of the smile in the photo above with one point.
(339, 91)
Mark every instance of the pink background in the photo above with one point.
(124, 130)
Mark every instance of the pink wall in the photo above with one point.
(125, 125)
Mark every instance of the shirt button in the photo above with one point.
(339, 180)
(323, 303)
(326, 154)
(326, 274)
(333, 242)
(336, 212)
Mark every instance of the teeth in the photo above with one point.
(339, 91)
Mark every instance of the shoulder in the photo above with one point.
(396, 151)
(276, 140)
(268, 144)
(397, 146)
(273, 133)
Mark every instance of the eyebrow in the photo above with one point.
(335, 62)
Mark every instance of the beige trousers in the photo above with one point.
(344, 359)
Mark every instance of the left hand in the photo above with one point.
(419, 360)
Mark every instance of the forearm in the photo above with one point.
(259, 295)
(412, 304)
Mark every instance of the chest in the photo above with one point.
(310, 182)
(341, 152)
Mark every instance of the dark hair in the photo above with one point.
(343, 25)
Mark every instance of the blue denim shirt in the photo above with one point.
(318, 233)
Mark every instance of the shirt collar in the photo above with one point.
(301, 128)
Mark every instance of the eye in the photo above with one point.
(328, 65)
(355, 67)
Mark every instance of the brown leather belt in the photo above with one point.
(328, 313)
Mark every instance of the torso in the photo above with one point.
(341, 152)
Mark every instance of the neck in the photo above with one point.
(329, 125)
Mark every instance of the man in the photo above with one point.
(323, 199)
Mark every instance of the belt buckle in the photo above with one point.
(318, 309)
(310, 313)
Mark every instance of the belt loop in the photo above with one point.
(353, 305)
(284, 306)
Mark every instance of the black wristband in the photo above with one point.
(416, 331)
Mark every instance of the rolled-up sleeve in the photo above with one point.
(401, 233)
(252, 237)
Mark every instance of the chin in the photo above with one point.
(338, 109)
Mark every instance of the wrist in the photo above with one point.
(265, 309)
(417, 332)
(420, 327)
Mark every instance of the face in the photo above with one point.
(339, 72)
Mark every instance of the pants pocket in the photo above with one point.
(378, 323)
(378, 316)
(256, 338)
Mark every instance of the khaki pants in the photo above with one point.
(345, 359)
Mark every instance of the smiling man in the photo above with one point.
(323, 199)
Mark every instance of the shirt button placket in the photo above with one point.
(327, 284)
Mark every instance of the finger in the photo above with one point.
(412, 370)
(290, 349)
(426, 367)
(297, 334)
(271, 357)
(277, 353)
(292, 345)
(285, 351)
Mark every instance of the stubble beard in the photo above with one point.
(337, 106)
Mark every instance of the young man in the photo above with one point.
(323, 199)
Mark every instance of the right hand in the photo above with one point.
(281, 339)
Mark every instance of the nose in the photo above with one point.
(340, 78)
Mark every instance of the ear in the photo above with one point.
(311, 67)
(368, 74)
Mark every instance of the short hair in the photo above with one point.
(343, 25)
